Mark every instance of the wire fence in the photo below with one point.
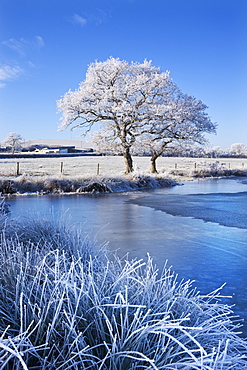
(112, 165)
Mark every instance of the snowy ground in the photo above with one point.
(86, 166)
(88, 173)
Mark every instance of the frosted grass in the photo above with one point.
(96, 184)
(105, 174)
(110, 166)
(67, 304)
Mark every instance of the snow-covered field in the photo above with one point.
(88, 166)
(106, 173)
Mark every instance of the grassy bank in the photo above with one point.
(105, 174)
(95, 184)
(66, 304)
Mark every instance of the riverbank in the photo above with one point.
(94, 185)
(99, 184)
(91, 174)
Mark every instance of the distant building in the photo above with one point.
(47, 150)
(55, 149)
(52, 149)
(4, 149)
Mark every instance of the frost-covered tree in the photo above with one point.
(180, 118)
(14, 141)
(238, 150)
(105, 144)
(214, 152)
(122, 96)
(137, 104)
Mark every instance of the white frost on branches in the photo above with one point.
(133, 101)
(14, 141)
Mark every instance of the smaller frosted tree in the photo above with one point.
(238, 150)
(214, 152)
(14, 141)
(182, 118)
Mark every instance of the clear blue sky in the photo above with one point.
(46, 46)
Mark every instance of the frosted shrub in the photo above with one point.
(52, 185)
(65, 305)
(7, 187)
(28, 184)
(96, 184)
(94, 187)
(216, 169)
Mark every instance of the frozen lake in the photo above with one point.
(200, 228)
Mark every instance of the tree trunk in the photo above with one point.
(128, 161)
(153, 163)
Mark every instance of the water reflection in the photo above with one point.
(143, 222)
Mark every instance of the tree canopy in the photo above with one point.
(182, 119)
(133, 102)
(13, 140)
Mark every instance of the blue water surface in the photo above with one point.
(200, 228)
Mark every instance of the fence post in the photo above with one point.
(195, 166)
(17, 169)
(61, 167)
(98, 169)
(175, 166)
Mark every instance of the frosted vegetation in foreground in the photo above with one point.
(67, 304)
